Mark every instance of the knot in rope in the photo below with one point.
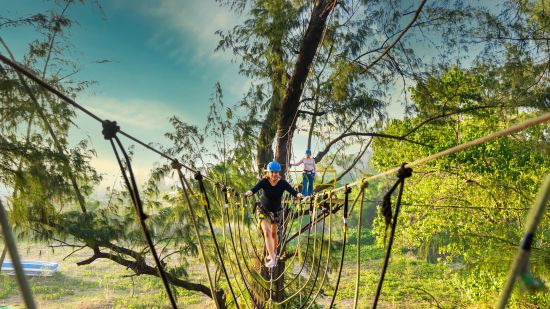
(176, 165)
(348, 189)
(364, 184)
(198, 176)
(404, 172)
(110, 129)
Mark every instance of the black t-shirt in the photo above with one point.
(271, 197)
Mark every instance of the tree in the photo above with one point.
(470, 208)
(51, 180)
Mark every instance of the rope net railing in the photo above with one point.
(250, 284)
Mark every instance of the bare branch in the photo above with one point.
(446, 115)
(316, 114)
(352, 165)
(321, 154)
(387, 50)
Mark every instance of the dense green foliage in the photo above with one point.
(463, 214)
(470, 208)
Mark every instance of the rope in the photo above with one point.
(404, 172)
(313, 263)
(109, 131)
(225, 214)
(358, 252)
(328, 257)
(318, 266)
(20, 68)
(255, 277)
(505, 132)
(137, 202)
(519, 265)
(177, 166)
(17, 266)
(252, 296)
(199, 177)
(346, 199)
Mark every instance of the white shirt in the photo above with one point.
(309, 164)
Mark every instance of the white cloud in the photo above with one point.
(186, 28)
(134, 113)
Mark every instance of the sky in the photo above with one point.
(161, 62)
(150, 60)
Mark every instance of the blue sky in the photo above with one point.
(162, 63)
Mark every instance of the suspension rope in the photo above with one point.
(358, 252)
(404, 172)
(225, 215)
(177, 166)
(247, 287)
(505, 132)
(199, 178)
(134, 194)
(299, 290)
(328, 256)
(109, 131)
(346, 199)
(520, 263)
(252, 296)
(16, 261)
(255, 275)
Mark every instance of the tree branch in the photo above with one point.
(316, 114)
(445, 115)
(387, 50)
(321, 154)
(361, 154)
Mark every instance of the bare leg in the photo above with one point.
(268, 238)
(275, 236)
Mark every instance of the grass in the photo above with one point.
(410, 283)
(102, 284)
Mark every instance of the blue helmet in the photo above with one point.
(308, 151)
(274, 166)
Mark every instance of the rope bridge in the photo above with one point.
(250, 284)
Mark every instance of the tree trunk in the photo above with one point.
(268, 131)
(291, 101)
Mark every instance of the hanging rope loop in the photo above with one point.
(346, 202)
(404, 172)
(110, 129)
(386, 209)
(226, 196)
